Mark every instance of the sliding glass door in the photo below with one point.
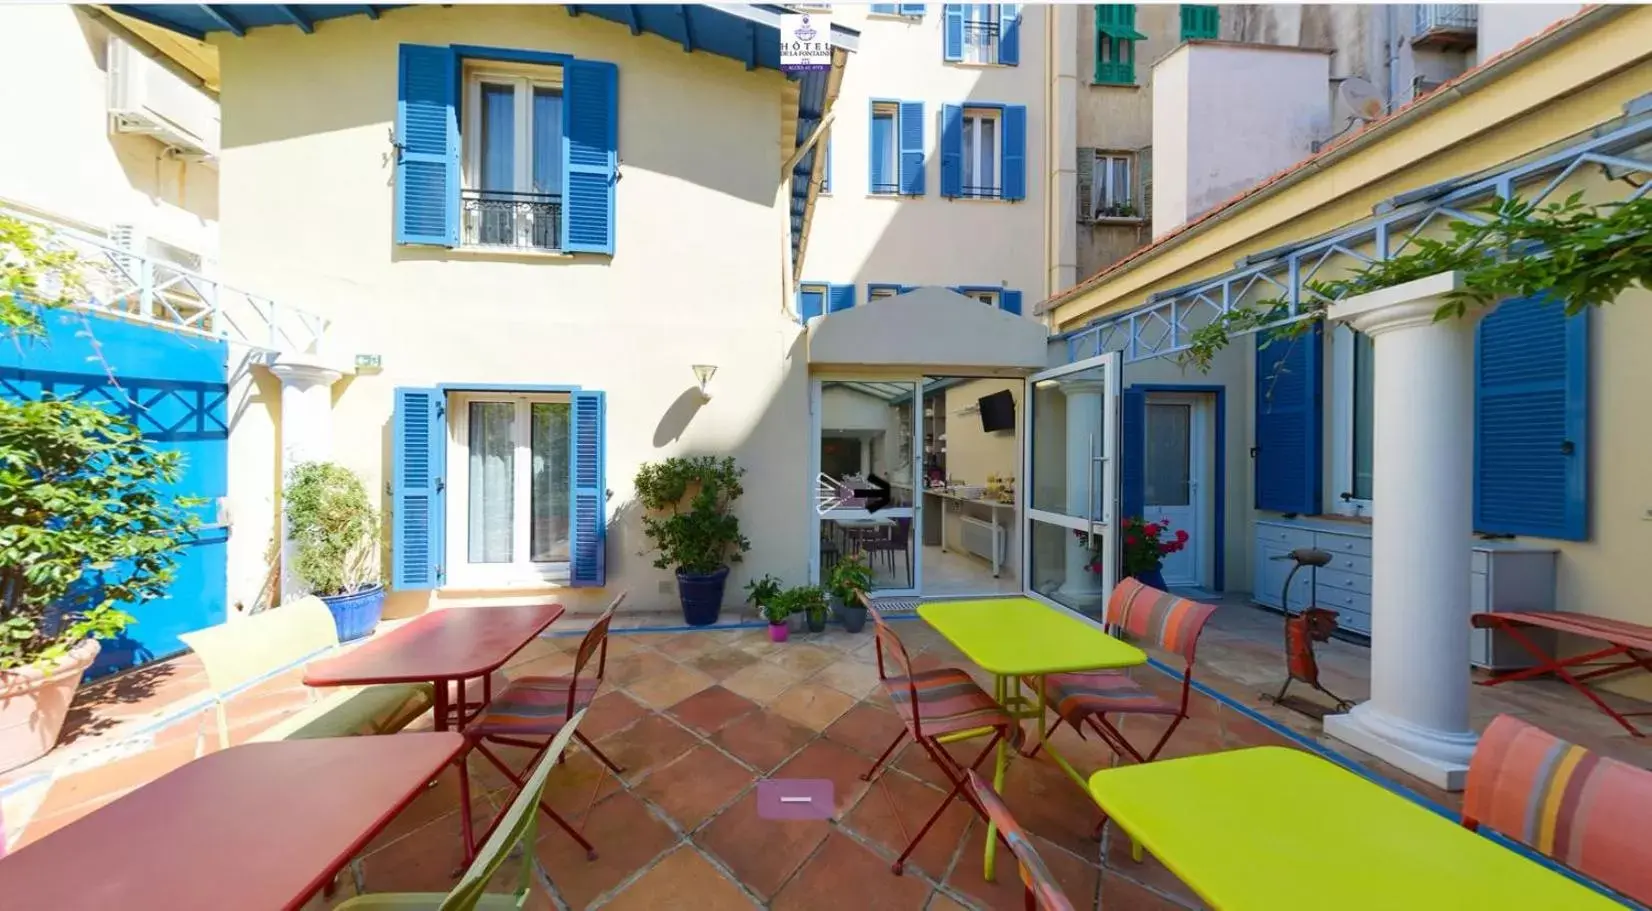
(867, 471)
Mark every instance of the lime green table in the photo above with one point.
(1277, 829)
(1013, 638)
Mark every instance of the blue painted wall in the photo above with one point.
(175, 388)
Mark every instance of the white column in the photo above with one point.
(1082, 588)
(306, 432)
(1423, 451)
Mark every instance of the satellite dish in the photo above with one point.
(1360, 99)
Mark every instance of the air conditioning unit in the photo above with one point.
(148, 99)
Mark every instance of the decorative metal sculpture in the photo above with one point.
(1312, 624)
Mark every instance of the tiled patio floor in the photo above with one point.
(696, 718)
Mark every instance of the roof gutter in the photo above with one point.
(1465, 85)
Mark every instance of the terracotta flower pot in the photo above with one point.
(34, 701)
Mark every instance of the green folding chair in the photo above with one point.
(518, 826)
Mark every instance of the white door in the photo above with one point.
(1171, 483)
(1069, 539)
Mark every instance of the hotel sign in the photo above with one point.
(805, 42)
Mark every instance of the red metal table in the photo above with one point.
(263, 825)
(445, 647)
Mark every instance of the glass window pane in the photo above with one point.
(548, 512)
(1068, 443)
(490, 483)
(1066, 566)
(969, 155)
(1168, 430)
(1363, 404)
(883, 151)
(1121, 181)
(547, 141)
(498, 137)
(989, 148)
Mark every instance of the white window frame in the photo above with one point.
(986, 296)
(461, 573)
(1342, 426)
(973, 150)
(892, 110)
(984, 51)
(1104, 190)
(524, 78)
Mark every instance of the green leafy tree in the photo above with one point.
(334, 528)
(692, 522)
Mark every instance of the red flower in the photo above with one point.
(1130, 540)
(1181, 536)
(1152, 529)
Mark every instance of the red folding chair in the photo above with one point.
(1148, 615)
(1043, 892)
(933, 704)
(539, 707)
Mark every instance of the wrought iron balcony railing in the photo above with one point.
(516, 221)
(980, 42)
(1439, 21)
(128, 284)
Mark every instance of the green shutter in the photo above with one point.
(1200, 22)
(1116, 38)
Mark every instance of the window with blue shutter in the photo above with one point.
(952, 32)
(912, 148)
(417, 504)
(590, 156)
(427, 146)
(1009, 34)
(952, 151)
(1132, 452)
(1010, 301)
(811, 300)
(1289, 374)
(588, 534)
(886, 9)
(884, 159)
(904, 10)
(1015, 152)
(1116, 38)
(1531, 421)
(839, 297)
(912, 10)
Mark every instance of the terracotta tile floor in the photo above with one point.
(696, 718)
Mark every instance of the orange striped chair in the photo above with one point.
(1043, 894)
(933, 704)
(1591, 813)
(1147, 615)
(539, 707)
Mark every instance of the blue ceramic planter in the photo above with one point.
(1152, 577)
(702, 595)
(356, 615)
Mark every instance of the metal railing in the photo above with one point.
(1451, 17)
(517, 221)
(972, 192)
(980, 42)
(131, 285)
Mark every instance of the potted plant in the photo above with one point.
(761, 592)
(809, 601)
(335, 533)
(775, 606)
(693, 527)
(85, 523)
(850, 578)
(1145, 549)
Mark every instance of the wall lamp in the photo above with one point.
(703, 373)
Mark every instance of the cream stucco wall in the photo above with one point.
(858, 239)
(696, 279)
(60, 159)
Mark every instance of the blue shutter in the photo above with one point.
(1014, 165)
(885, 9)
(1132, 452)
(953, 28)
(1010, 302)
(952, 150)
(1531, 421)
(839, 297)
(1009, 34)
(417, 500)
(427, 138)
(1288, 384)
(912, 148)
(811, 302)
(915, 10)
(588, 506)
(590, 155)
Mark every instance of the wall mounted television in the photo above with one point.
(997, 412)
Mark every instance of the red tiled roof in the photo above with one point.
(1143, 253)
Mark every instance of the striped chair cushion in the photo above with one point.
(1160, 618)
(1037, 877)
(949, 701)
(533, 705)
(1100, 693)
(1591, 813)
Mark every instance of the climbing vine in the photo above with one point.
(1582, 254)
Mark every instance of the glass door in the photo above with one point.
(1069, 528)
(867, 473)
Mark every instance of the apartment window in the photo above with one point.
(903, 10)
(509, 486)
(1116, 38)
(1105, 185)
(512, 195)
(984, 295)
(884, 157)
(982, 33)
(1200, 22)
(981, 27)
(983, 139)
(879, 292)
(1364, 398)
(1351, 421)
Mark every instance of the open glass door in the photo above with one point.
(864, 433)
(1070, 525)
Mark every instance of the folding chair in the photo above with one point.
(540, 707)
(1043, 894)
(1591, 813)
(521, 828)
(1145, 614)
(943, 704)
